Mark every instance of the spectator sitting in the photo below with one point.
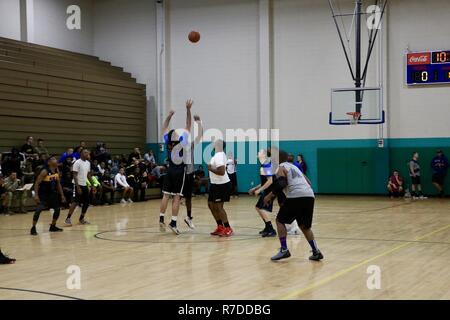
(150, 157)
(395, 185)
(28, 149)
(158, 172)
(95, 189)
(40, 163)
(439, 165)
(135, 155)
(122, 185)
(28, 173)
(200, 180)
(12, 163)
(107, 187)
(3, 196)
(115, 165)
(138, 182)
(12, 184)
(41, 149)
(68, 153)
(101, 168)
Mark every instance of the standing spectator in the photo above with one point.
(135, 155)
(28, 149)
(122, 185)
(12, 186)
(439, 164)
(395, 185)
(41, 149)
(231, 170)
(150, 157)
(301, 164)
(414, 173)
(108, 188)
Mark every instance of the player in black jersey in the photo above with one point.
(48, 192)
(263, 189)
(175, 177)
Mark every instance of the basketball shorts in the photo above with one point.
(219, 192)
(300, 209)
(415, 180)
(188, 185)
(173, 183)
(83, 197)
(260, 203)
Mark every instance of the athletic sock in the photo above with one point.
(189, 214)
(283, 243)
(313, 245)
(226, 225)
(161, 217)
(269, 225)
(219, 222)
(173, 222)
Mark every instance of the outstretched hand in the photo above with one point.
(189, 103)
(171, 113)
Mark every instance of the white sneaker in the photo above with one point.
(123, 201)
(189, 222)
(423, 198)
(130, 201)
(68, 222)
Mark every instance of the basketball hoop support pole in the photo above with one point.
(358, 99)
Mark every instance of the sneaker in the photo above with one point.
(4, 259)
(218, 231)
(263, 231)
(294, 231)
(123, 201)
(55, 229)
(189, 222)
(282, 254)
(33, 231)
(226, 232)
(415, 198)
(269, 233)
(423, 198)
(316, 256)
(174, 229)
(83, 222)
(68, 222)
(130, 201)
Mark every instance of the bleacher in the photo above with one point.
(64, 97)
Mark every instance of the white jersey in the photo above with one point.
(219, 160)
(231, 166)
(298, 186)
(82, 168)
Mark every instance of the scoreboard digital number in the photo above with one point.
(431, 67)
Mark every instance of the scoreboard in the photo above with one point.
(430, 67)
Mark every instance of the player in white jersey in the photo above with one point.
(299, 205)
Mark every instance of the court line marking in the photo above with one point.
(343, 272)
(41, 292)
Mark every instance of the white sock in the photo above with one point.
(174, 218)
(161, 214)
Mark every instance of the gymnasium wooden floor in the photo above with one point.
(122, 255)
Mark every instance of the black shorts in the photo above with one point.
(233, 179)
(188, 185)
(173, 183)
(415, 180)
(300, 209)
(260, 203)
(83, 197)
(219, 192)
(438, 178)
(50, 201)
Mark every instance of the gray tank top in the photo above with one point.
(298, 186)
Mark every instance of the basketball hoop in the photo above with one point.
(354, 117)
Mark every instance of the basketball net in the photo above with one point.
(354, 117)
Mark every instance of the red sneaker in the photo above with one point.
(218, 231)
(227, 232)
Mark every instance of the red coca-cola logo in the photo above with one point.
(419, 58)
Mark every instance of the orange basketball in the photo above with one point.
(194, 36)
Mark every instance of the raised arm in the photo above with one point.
(167, 122)
(189, 104)
(199, 137)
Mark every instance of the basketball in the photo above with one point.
(194, 36)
